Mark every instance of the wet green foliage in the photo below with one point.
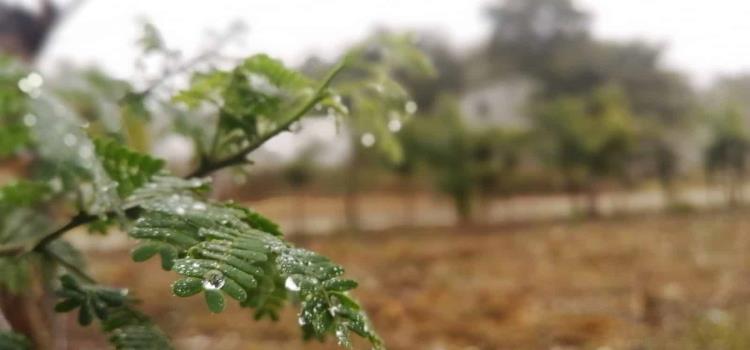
(221, 250)
(126, 327)
(13, 341)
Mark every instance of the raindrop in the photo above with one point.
(199, 206)
(367, 139)
(29, 120)
(410, 107)
(70, 140)
(34, 80)
(333, 310)
(262, 84)
(291, 285)
(180, 211)
(213, 280)
(85, 152)
(394, 125)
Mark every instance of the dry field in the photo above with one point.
(646, 282)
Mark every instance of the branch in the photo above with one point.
(203, 170)
(72, 268)
(240, 156)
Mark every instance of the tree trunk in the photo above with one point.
(409, 200)
(351, 197)
(592, 201)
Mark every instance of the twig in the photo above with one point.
(72, 268)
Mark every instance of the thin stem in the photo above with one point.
(72, 268)
(78, 220)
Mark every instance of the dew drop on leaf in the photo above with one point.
(410, 107)
(29, 120)
(199, 206)
(394, 125)
(70, 140)
(213, 280)
(291, 285)
(367, 139)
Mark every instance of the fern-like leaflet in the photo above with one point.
(225, 249)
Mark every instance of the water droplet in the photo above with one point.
(199, 206)
(213, 279)
(410, 107)
(367, 139)
(34, 80)
(31, 84)
(85, 152)
(291, 285)
(394, 125)
(180, 211)
(333, 310)
(29, 120)
(301, 321)
(262, 84)
(70, 140)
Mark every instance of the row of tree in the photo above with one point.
(601, 114)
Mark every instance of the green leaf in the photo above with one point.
(67, 305)
(13, 138)
(215, 301)
(129, 169)
(188, 286)
(128, 329)
(144, 252)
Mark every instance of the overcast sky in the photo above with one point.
(703, 38)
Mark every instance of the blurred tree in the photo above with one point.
(550, 41)
(448, 68)
(497, 154)
(443, 143)
(377, 103)
(23, 33)
(544, 39)
(728, 150)
(463, 162)
(588, 139)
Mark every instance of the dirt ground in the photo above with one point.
(645, 282)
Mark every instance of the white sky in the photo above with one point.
(703, 38)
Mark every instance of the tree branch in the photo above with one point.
(203, 170)
(240, 157)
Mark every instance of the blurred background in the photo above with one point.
(564, 175)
